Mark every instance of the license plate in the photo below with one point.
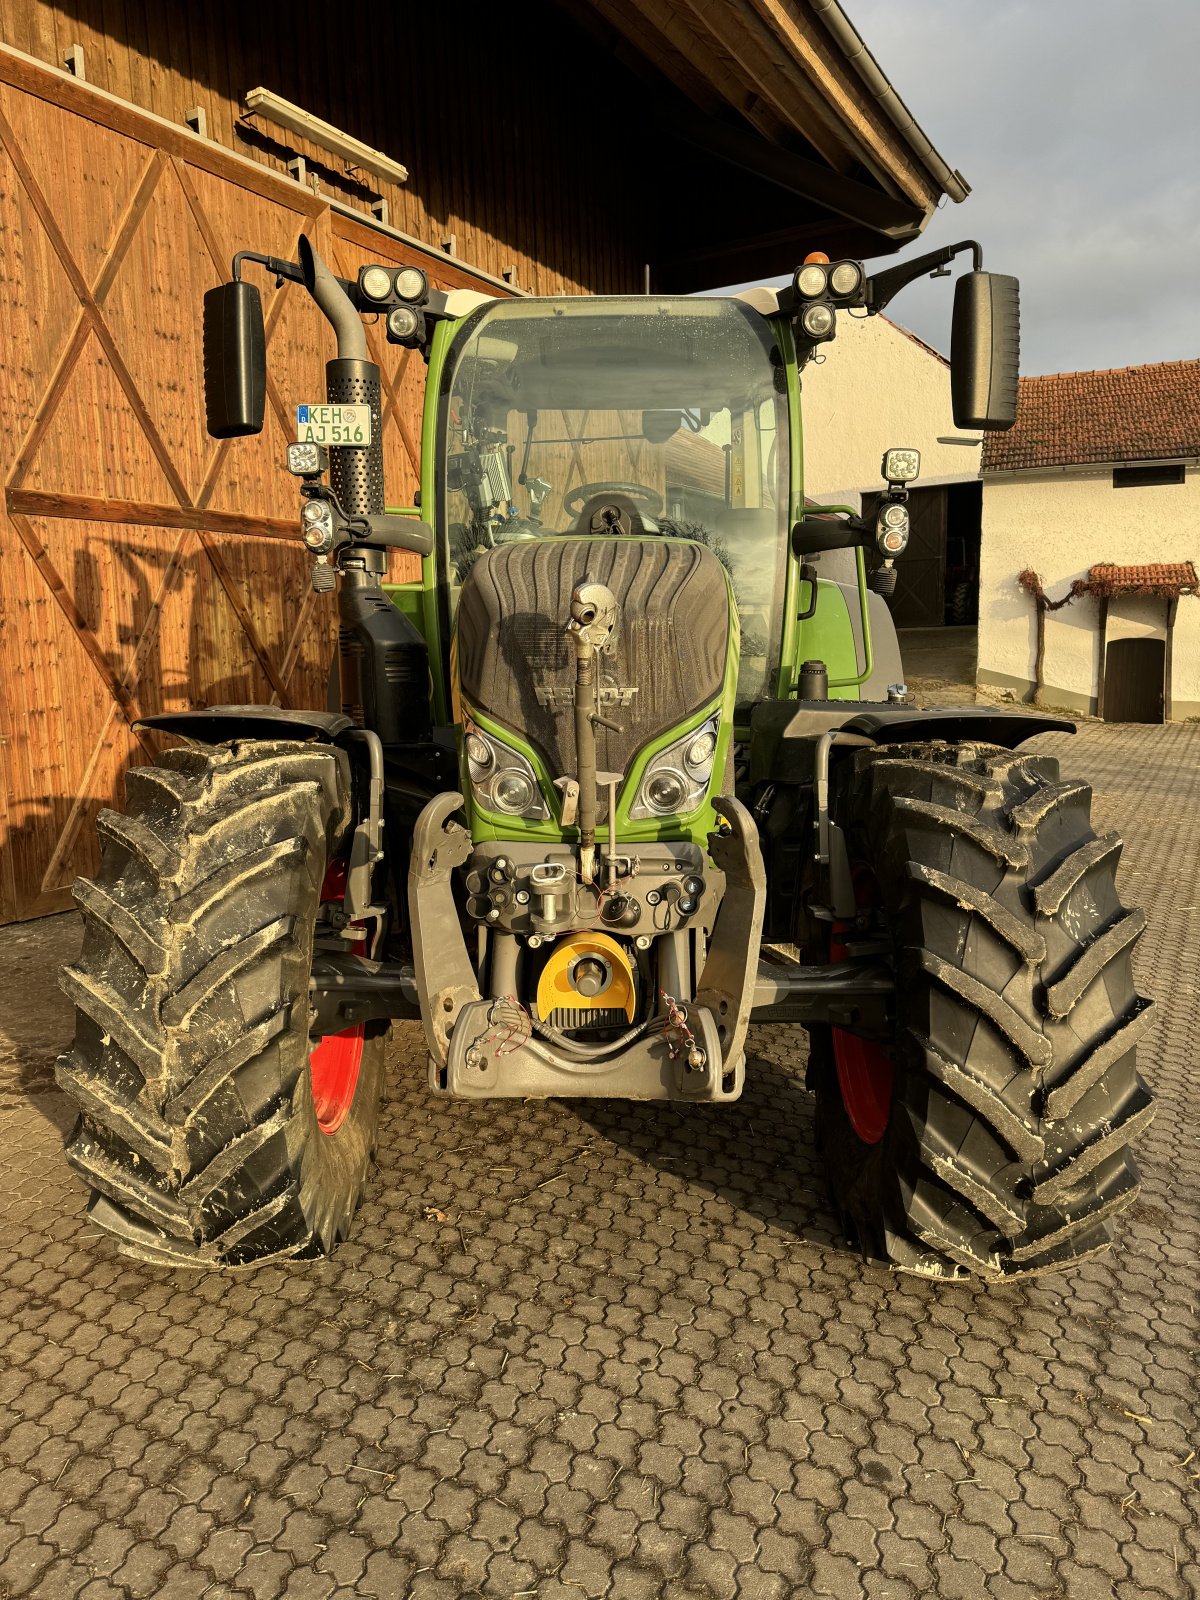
(334, 425)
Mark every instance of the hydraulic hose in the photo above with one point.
(591, 1052)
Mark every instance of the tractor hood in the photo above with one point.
(516, 666)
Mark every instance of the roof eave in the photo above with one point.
(948, 179)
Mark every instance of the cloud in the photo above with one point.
(1077, 124)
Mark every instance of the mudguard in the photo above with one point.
(784, 733)
(216, 724)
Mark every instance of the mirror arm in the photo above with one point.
(281, 270)
(278, 268)
(811, 535)
(884, 286)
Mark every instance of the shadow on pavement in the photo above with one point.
(757, 1153)
(37, 1020)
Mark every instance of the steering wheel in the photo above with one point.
(637, 492)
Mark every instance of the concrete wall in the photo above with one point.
(1062, 523)
(877, 386)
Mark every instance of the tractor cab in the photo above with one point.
(651, 418)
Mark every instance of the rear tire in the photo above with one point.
(197, 1128)
(1014, 1090)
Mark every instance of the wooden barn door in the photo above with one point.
(920, 597)
(145, 567)
(1134, 678)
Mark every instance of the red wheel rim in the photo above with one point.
(334, 1065)
(864, 1067)
(335, 1059)
(864, 1071)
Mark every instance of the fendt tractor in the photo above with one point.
(630, 767)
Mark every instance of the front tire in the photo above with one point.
(1011, 1087)
(198, 1131)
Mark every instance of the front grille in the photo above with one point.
(516, 665)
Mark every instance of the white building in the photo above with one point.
(1100, 467)
(879, 385)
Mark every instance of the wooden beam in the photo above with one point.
(855, 201)
(625, 41)
(1168, 660)
(758, 255)
(665, 37)
(765, 66)
(147, 514)
(880, 145)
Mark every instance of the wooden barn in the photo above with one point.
(601, 147)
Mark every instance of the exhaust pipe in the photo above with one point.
(355, 474)
(334, 302)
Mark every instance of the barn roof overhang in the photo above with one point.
(778, 129)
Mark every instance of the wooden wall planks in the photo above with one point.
(145, 567)
(514, 136)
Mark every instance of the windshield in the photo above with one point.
(673, 408)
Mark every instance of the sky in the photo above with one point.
(1077, 125)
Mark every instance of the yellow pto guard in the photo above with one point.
(589, 971)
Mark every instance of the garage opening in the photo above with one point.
(936, 601)
(938, 575)
(1134, 680)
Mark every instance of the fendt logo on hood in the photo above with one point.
(608, 694)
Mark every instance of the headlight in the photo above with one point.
(817, 321)
(811, 281)
(402, 322)
(846, 277)
(375, 283)
(698, 756)
(501, 778)
(411, 283)
(316, 525)
(891, 530)
(900, 465)
(513, 791)
(665, 790)
(676, 779)
(479, 753)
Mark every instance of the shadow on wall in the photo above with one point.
(167, 628)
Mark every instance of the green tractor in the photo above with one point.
(631, 767)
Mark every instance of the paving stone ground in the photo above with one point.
(575, 1351)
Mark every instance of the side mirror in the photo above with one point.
(985, 348)
(235, 360)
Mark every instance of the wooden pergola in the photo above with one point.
(1105, 582)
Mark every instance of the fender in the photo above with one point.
(215, 724)
(900, 724)
(786, 733)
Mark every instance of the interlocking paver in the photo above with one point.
(644, 1367)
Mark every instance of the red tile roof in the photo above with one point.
(1156, 577)
(1127, 414)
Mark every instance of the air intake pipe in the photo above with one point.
(356, 475)
(383, 660)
